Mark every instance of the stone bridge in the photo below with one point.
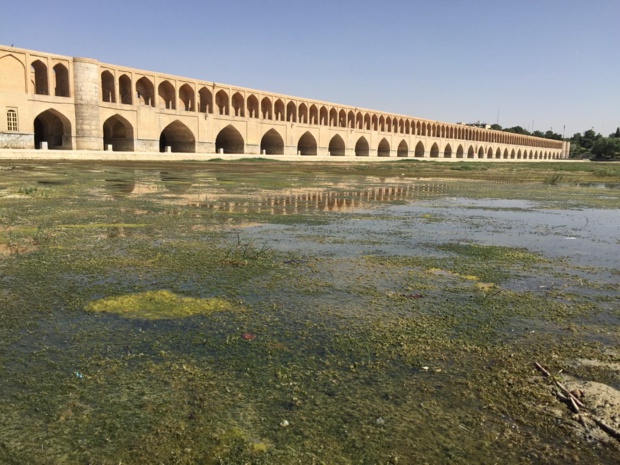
(55, 102)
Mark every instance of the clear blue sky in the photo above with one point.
(542, 63)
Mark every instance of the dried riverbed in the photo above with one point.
(265, 313)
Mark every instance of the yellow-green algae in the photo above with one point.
(158, 305)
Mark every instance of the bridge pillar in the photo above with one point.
(86, 90)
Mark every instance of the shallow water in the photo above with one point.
(392, 319)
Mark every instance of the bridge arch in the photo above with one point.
(314, 115)
(291, 112)
(498, 153)
(307, 144)
(303, 113)
(278, 110)
(265, 107)
(447, 151)
(145, 91)
(383, 150)
(221, 101)
(419, 150)
(351, 120)
(206, 100)
(229, 140)
(52, 127)
(272, 143)
(323, 117)
(165, 90)
(61, 80)
(490, 153)
(362, 149)
(108, 91)
(178, 137)
(480, 152)
(40, 77)
(459, 151)
(434, 151)
(187, 97)
(470, 152)
(253, 106)
(336, 146)
(403, 149)
(118, 132)
(238, 105)
(124, 90)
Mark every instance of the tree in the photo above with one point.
(588, 139)
(615, 134)
(496, 127)
(606, 147)
(518, 130)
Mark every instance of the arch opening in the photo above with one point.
(419, 150)
(108, 93)
(221, 101)
(54, 128)
(434, 151)
(186, 95)
(403, 150)
(265, 107)
(252, 106)
(206, 100)
(178, 137)
(383, 150)
(124, 89)
(272, 143)
(118, 132)
(447, 151)
(229, 140)
(39, 71)
(336, 146)
(145, 92)
(291, 112)
(362, 149)
(278, 109)
(307, 145)
(61, 80)
(165, 90)
(238, 105)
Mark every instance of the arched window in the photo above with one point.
(39, 70)
(238, 104)
(166, 93)
(252, 106)
(186, 95)
(124, 88)
(145, 92)
(108, 93)
(61, 81)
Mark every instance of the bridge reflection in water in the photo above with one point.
(183, 189)
(313, 200)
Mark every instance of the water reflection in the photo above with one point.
(324, 201)
(176, 182)
(120, 184)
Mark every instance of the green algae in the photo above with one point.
(157, 305)
(343, 340)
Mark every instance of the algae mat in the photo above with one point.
(251, 313)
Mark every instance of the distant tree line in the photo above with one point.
(582, 145)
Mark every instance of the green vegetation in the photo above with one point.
(157, 305)
(234, 313)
